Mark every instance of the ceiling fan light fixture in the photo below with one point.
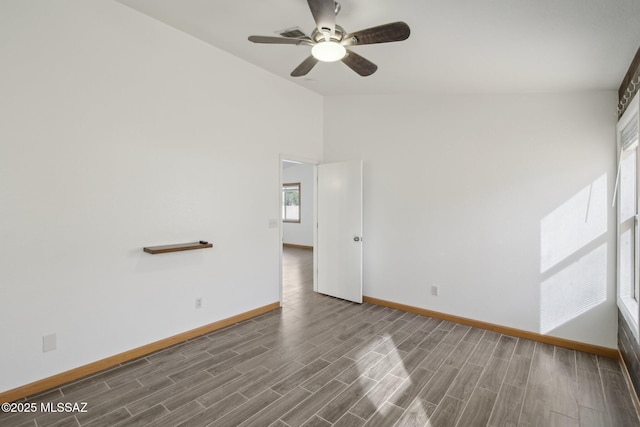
(328, 51)
(330, 42)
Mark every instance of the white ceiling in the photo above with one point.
(456, 46)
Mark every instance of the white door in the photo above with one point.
(339, 238)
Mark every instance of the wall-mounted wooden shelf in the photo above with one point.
(153, 250)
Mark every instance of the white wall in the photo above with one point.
(502, 201)
(119, 132)
(300, 233)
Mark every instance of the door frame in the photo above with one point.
(314, 163)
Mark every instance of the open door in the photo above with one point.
(339, 234)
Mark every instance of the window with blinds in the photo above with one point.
(628, 268)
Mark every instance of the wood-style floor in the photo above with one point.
(321, 361)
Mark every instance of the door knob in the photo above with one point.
(356, 239)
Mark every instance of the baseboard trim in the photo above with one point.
(612, 353)
(109, 362)
(293, 245)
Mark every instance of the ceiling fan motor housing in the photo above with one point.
(319, 36)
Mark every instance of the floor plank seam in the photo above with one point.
(405, 365)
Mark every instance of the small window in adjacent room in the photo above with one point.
(291, 202)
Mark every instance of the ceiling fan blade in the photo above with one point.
(360, 65)
(324, 13)
(279, 40)
(393, 32)
(304, 67)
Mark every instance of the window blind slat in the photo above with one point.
(630, 134)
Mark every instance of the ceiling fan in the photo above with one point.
(329, 42)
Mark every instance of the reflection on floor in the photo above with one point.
(321, 361)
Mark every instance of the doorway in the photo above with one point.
(325, 217)
(298, 198)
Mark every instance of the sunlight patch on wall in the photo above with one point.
(574, 224)
(574, 290)
(574, 274)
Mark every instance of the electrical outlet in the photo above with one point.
(198, 302)
(49, 343)
(434, 291)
